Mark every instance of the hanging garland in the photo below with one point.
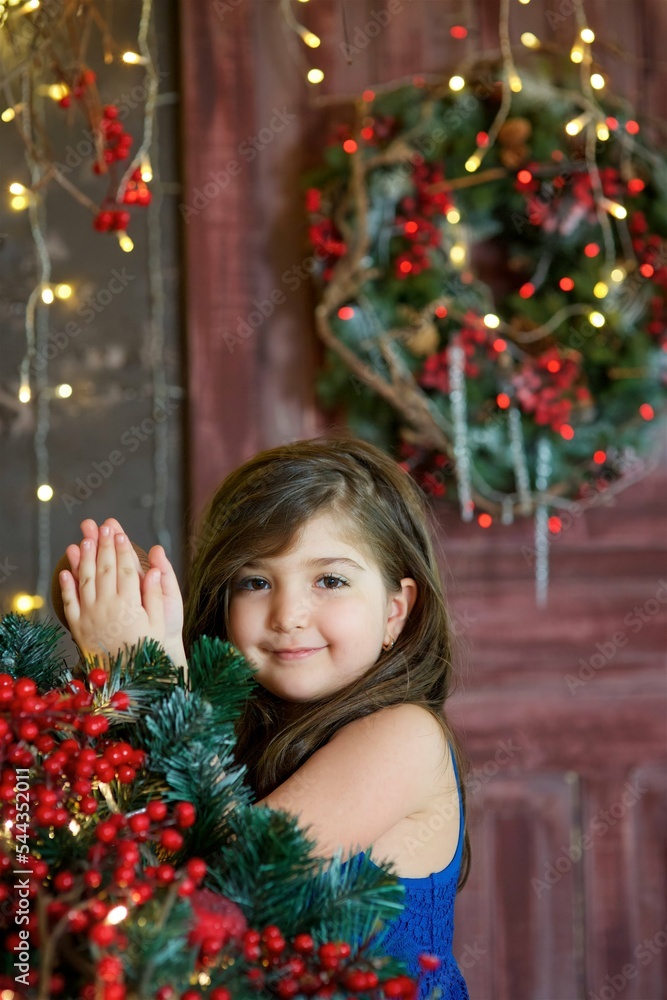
(506, 328)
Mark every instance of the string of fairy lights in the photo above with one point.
(35, 388)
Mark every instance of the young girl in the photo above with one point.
(314, 559)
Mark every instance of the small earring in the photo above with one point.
(389, 646)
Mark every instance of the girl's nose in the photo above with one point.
(289, 609)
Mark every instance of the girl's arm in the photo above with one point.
(373, 773)
(110, 602)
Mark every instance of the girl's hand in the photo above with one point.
(157, 558)
(110, 602)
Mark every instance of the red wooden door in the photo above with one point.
(563, 711)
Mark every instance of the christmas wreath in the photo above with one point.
(492, 281)
(133, 865)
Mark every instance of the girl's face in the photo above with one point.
(310, 621)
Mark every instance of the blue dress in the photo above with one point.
(426, 924)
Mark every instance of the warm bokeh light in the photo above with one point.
(473, 162)
(315, 75)
(596, 319)
(597, 81)
(457, 254)
(492, 321)
(63, 291)
(530, 40)
(47, 295)
(44, 492)
(25, 395)
(125, 242)
(64, 390)
(456, 83)
(587, 35)
(600, 290)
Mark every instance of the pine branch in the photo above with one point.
(28, 649)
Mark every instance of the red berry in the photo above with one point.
(171, 840)
(429, 962)
(304, 944)
(185, 814)
(95, 725)
(165, 873)
(220, 993)
(139, 822)
(65, 101)
(106, 831)
(110, 111)
(25, 687)
(98, 677)
(196, 869)
(157, 810)
(63, 881)
(92, 878)
(120, 700)
(126, 774)
(77, 921)
(144, 196)
(88, 805)
(120, 220)
(165, 993)
(102, 934)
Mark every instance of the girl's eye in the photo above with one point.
(248, 579)
(339, 579)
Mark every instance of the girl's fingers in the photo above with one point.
(87, 573)
(70, 599)
(158, 557)
(153, 600)
(128, 579)
(73, 553)
(106, 581)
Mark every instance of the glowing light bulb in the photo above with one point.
(44, 492)
(26, 602)
(311, 40)
(132, 58)
(597, 81)
(618, 274)
(453, 216)
(587, 35)
(16, 188)
(613, 207)
(125, 241)
(524, 1)
(596, 319)
(492, 321)
(63, 291)
(146, 171)
(74, 827)
(457, 254)
(530, 40)
(117, 914)
(25, 395)
(57, 91)
(456, 83)
(600, 290)
(19, 202)
(577, 54)
(30, 6)
(473, 162)
(515, 83)
(8, 115)
(315, 76)
(575, 126)
(64, 390)
(47, 295)
(602, 132)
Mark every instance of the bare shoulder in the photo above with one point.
(410, 727)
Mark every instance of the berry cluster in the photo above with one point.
(85, 79)
(117, 141)
(478, 344)
(418, 217)
(546, 386)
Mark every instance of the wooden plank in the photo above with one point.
(218, 221)
(526, 946)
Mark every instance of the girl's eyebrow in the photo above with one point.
(324, 560)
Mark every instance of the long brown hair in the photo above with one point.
(257, 512)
